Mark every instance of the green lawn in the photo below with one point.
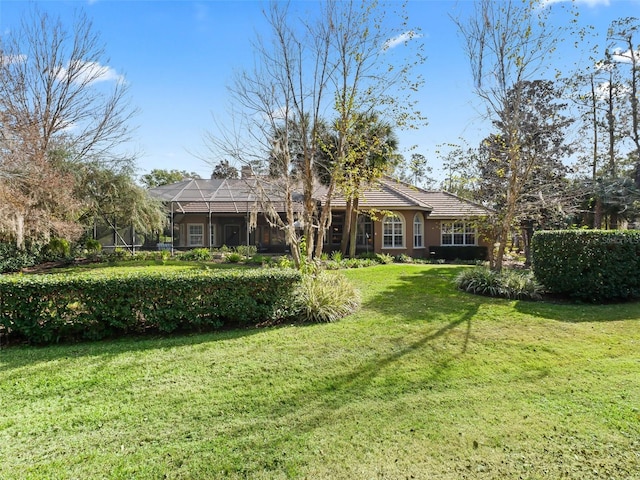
(424, 382)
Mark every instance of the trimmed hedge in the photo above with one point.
(589, 265)
(49, 308)
(457, 252)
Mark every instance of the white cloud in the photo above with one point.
(400, 39)
(589, 3)
(90, 72)
(624, 57)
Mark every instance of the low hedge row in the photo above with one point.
(589, 265)
(48, 308)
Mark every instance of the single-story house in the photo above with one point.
(394, 217)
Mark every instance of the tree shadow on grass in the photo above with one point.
(17, 356)
(580, 312)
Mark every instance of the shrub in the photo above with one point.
(589, 265)
(404, 258)
(196, 255)
(384, 258)
(48, 308)
(57, 248)
(512, 284)
(325, 297)
(336, 256)
(12, 259)
(234, 257)
(246, 250)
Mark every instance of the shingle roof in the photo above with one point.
(243, 195)
(443, 204)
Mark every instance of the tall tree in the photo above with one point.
(50, 102)
(112, 196)
(344, 57)
(624, 48)
(372, 153)
(508, 44)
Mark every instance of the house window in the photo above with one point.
(418, 231)
(458, 233)
(195, 235)
(393, 232)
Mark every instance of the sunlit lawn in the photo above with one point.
(424, 382)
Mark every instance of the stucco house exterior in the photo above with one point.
(395, 218)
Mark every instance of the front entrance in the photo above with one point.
(231, 235)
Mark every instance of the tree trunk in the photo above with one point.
(346, 228)
(598, 214)
(353, 234)
(325, 220)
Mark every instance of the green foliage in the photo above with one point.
(513, 284)
(336, 256)
(57, 248)
(13, 259)
(196, 255)
(93, 246)
(234, 257)
(246, 250)
(47, 308)
(384, 258)
(404, 258)
(589, 265)
(325, 297)
(458, 253)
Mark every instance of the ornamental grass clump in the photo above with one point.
(326, 297)
(512, 284)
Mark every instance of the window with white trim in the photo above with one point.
(418, 231)
(458, 233)
(393, 232)
(195, 235)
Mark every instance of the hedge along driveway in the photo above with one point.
(48, 308)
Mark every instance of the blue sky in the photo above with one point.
(179, 56)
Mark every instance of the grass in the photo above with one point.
(424, 382)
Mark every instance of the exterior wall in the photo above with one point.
(408, 248)
(229, 230)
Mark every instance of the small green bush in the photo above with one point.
(325, 297)
(384, 258)
(234, 257)
(336, 256)
(589, 265)
(196, 255)
(404, 258)
(512, 284)
(57, 249)
(246, 250)
(93, 246)
(13, 259)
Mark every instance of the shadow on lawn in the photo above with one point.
(580, 312)
(16, 356)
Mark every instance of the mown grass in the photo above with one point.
(424, 382)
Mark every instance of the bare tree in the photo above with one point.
(56, 95)
(508, 44)
(337, 66)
